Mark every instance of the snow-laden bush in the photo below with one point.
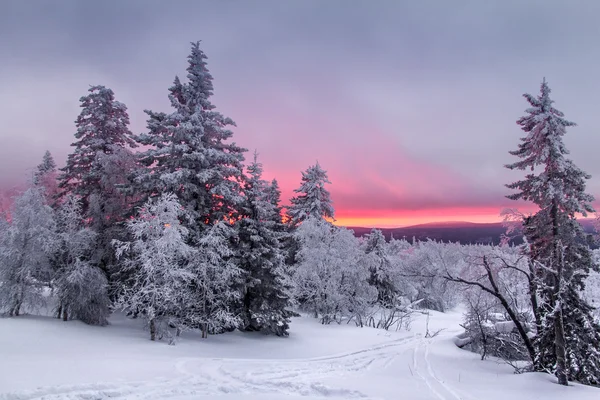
(328, 279)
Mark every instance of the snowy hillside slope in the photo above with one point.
(43, 358)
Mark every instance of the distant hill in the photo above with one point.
(459, 231)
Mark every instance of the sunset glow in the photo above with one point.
(409, 132)
(400, 218)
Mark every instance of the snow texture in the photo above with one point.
(46, 359)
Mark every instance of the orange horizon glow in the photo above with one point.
(402, 218)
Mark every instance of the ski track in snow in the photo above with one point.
(213, 376)
(424, 370)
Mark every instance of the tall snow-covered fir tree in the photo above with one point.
(190, 153)
(81, 288)
(264, 290)
(102, 129)
(25, 250)
(99, 164)
(45, 176)
(567, 333)
(313, 199)
(159, 261)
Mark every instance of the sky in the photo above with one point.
(410, 106)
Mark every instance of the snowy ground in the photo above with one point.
(43, 358)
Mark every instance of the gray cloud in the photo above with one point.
(435, 84)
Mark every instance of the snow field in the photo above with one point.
(48, 359)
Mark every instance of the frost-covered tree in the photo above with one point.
(45, 176)
(190, 153)
(381, 269)
(27, 243)
(329, 280)
(313, 199)
(102, 129)
(557, 247)
(46, 166)
(272, 194)
(424, 265)
(81, 288)
(98, 166)
(159, 260)
(264, 290)
(215, 272)
(487, 331)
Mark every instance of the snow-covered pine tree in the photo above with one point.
(565, 341)
(81, 288)
(102, 128)
(190, 153)
(313, 199)
(213, 293)
(45, 177)
(289, 246)
(25, 252)
(98, 166)
(47, 165)
(159, 261)
(380, 268)
(264, 290)
(272, 194)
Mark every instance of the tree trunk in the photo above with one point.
(495, 291)
(65, 314)
(510, 311)
(204, 306)
(559, 331)
(533, 296)
(560, 348)
(152, 330)
(18, 307)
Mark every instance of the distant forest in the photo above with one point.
(459, 232)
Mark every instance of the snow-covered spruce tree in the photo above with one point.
(259, 253)
(189, 153)
(272, 194)
(98, 166)
(329, 280)
(158, 259)
(567, 336)
(287, 242)
(80, 286)
(212, 291)
(25, 251)
(45, 176)
(380, 267)
(313, 199)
